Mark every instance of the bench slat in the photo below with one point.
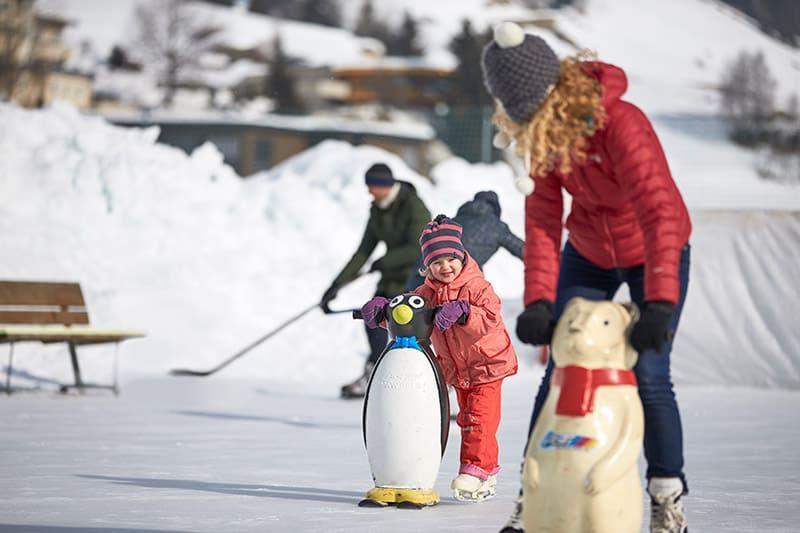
(76, 335)
(43, 317)
(40, 293)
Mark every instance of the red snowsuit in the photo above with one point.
(626, 209)
(475, 357)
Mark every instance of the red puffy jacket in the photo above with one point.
(626, 210)
(480, 350)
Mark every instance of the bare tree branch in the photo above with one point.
(172, 37)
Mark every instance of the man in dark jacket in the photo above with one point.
(483, 233)
(397, 217)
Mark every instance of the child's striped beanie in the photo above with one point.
(441, 238)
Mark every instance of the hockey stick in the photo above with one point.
(340, 311)
(237, 355)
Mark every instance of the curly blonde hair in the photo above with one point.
(556, 135)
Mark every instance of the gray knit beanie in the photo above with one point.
(519, 70)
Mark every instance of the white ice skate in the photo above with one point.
(467, 488)
(666, 511)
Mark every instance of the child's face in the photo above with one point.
(446, 269)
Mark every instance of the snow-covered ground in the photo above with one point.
(214, 454)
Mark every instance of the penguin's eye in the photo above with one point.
(396, 300)
(416, 302)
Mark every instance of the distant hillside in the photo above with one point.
(778, 18)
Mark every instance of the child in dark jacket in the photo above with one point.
(483, 233)
(472, 345)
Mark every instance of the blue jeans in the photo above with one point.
(663, 434)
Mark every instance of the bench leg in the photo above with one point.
(76, 369)
(9, 368)
(115, 386)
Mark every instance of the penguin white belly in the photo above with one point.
(403, 421)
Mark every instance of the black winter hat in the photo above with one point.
(519, 70)
(379, 175)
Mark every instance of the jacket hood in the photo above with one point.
(612, 78)
(484, 203)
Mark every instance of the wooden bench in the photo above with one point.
(51, 312)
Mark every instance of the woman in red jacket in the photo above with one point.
(627, 224)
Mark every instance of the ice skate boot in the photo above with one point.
(514, 524)
(468, 488)
(358, 388)
(666, 509)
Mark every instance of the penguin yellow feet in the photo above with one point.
(382, 496)
(469, 488)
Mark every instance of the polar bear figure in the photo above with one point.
(581, 471)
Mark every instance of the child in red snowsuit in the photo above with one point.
(473, 348)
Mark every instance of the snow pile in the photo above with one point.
(181, 247)
(206, 262)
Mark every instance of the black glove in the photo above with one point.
(329, 295)
(535, 324)
(651, 331)
(377, 266)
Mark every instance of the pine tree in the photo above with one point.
(324, 12)
(369, 26)
(467, 46)
(405, 42)
(281, 83)
(277, 8)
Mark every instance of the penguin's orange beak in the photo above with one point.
(402, 314)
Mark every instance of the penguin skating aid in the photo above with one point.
(406, 417)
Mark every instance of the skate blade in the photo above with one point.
(346, 395)
(414, 505)
(366, 502)
(473, 497)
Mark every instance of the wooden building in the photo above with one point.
(34, 59)
(251, 145)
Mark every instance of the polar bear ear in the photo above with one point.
(633, 312)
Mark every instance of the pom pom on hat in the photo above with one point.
(508, 34)
(524, 184)
(519, 70)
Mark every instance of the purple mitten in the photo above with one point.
(372, 311)
(450, 313)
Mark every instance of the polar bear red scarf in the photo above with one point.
(578, 385)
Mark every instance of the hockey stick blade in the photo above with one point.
(187, 372)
